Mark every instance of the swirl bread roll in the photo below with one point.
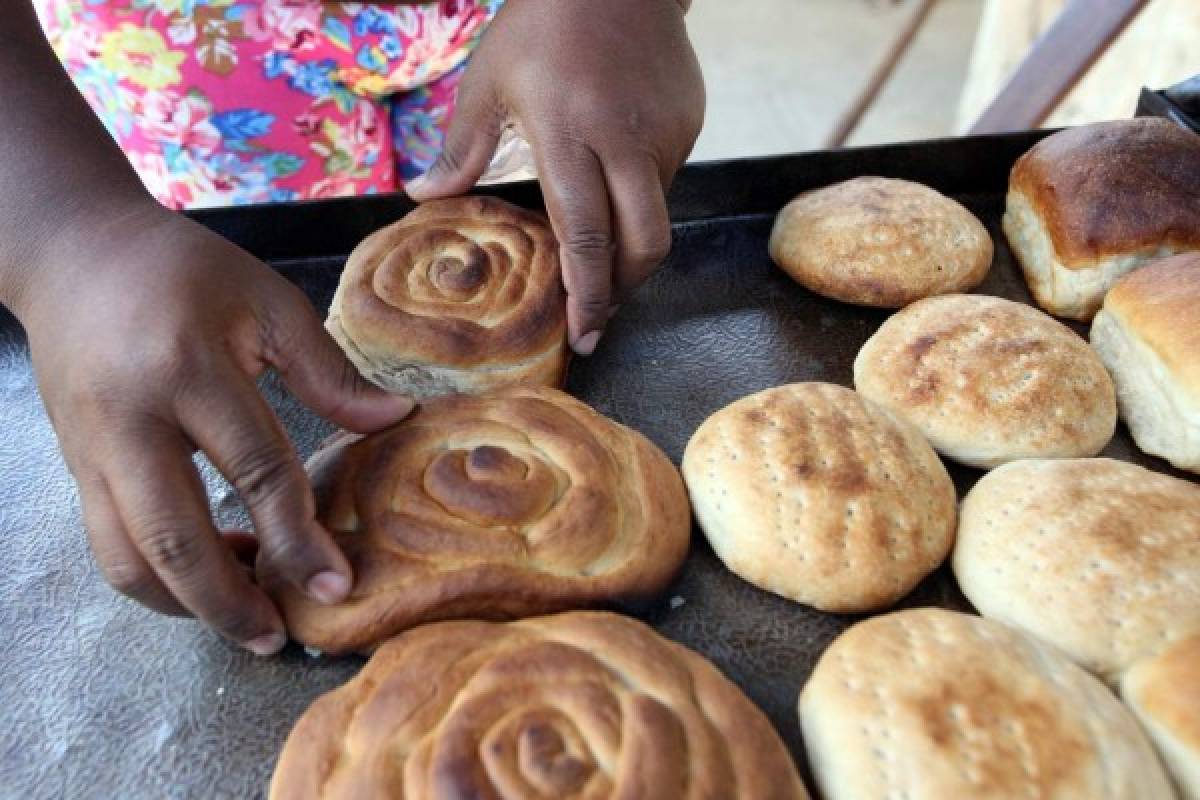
(579, 705)
(988, 380)
(1086, 205)
(461, 295)
(519, 502)
(880, 242)
(1148, 335)
(934, 705)
(1098, 557)
(1164, 693)
(819, 495)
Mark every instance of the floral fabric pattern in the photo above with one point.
(221, 102)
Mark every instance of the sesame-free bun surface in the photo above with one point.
(816, 494)
(461, 295)
(1099, 557)
(1089, 204)
(935, 705)
(988, 380)
(1148, 335)
(1164, 693)
(516, 502)
(880, 242)
(578, 706)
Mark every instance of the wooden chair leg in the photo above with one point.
(1057, 62)
(853, 116)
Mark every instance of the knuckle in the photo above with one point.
(262, 473)
(170, 547)
(233, 620)
(132, 579)
(290, 556)
(588, 243)
(592, 306)
(652, 249)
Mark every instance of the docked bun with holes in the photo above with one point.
(880, 242)
(988, 380)
(930, 704)
(816, 494)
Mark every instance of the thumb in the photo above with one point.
(467, 151)
(317, 371)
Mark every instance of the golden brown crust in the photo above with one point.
(1114, 188)
(579, 705)
(988, 380)
(1166, 689)
(518, 502)
(1160, 305)
(1098, 556)
(880, 242)
(939, 705)
(812, 492)
(463, 284)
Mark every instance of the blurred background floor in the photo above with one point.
(781, 73)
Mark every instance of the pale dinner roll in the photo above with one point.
(1099, 557)
(880, 242)
(934, 705)
(1164, 693)
(580, 706)
(988, 380)
(461, 295)
(1148, 335)
(816, 494)
(1089, 204)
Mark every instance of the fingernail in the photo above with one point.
(586, 345)
(416, 184)
(403, 405)
(267, 645)
(328, 587)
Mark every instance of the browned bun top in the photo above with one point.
(571, 707)
(880, 242)
(1160, 303)
(1114, 188)
(516, 502)
(460, 282)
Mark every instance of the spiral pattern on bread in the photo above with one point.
(578, 705)
(519, 502)
(460, 295)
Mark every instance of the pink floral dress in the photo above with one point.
(220, 102)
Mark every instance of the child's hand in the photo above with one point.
(147, 336)
(610, 96)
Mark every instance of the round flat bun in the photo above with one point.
(1148, 335)
(989, 380)
(1099, 557)
(935, 705)
(580, 706)
(519, 502)
(1164, 692)
(816, 494)
(461, 295)
(880, 242)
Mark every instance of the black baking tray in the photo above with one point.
(102, 698)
